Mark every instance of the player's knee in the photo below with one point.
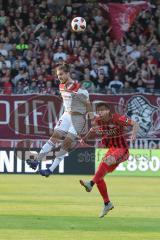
(109, 160)
(55, 137)
(67, 143)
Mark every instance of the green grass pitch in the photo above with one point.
(57, 208)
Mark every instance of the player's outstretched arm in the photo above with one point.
(126, 122)
(90, 111)
(90, 135)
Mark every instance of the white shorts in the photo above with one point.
(74, 124)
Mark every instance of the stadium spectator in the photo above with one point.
(116, 84)
(59, 54)
(36, 36)
(88, 84)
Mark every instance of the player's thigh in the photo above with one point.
(116, 156)
(77, 126)
(61, 128)
(68, 142)
(63, 124)
(57, 136)
(121, 154)
(110, 160)
(74, 132)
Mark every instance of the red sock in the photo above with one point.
(101, 172)
(101, 185)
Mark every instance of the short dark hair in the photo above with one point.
(64, 67)
(101, 104)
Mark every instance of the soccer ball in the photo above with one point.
(78, 24)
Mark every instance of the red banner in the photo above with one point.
(122, 16)
(29, 116)
(34, 117)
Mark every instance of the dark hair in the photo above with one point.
(101, 104)
(64, 67)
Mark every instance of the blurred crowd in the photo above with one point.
(35, 36)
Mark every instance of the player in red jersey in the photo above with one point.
(112, 130)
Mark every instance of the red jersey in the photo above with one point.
(113, 131)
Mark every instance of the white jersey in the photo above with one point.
(74, 98)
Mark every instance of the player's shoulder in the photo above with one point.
(83, 91)
(121, 119)
(81, 88)
(116, 116)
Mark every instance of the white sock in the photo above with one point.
(47, 147)
(60, 153)
(59, 157)
(55, 163)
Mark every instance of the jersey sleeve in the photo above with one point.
(84, 93)
(121, 120)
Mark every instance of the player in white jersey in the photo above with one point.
(70, 125)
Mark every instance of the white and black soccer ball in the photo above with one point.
(78, 24)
